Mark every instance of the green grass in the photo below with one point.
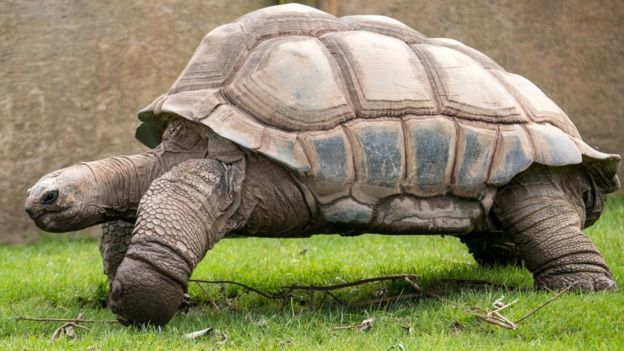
(60, 276)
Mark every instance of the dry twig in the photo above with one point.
(543, 305)
(18, 317)
(63, 320)
(287, 291)
(67, 329)
(495, 316)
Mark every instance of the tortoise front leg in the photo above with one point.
(116, 236)
(545, 217)
(182, 215)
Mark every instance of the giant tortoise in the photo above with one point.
(290, 122)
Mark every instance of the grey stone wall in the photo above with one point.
(74, 73)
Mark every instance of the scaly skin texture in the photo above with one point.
(183, 214)
(543, 210)
(116, 237)
(273, 204)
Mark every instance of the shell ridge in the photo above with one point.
(407, 141)
(432, 75)
(497, 149)
(357, 170)
(485, 61)
(385, 26)
(475, 150)
(455, 168)
(515, 94)
(338, 55)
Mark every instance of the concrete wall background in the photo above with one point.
(74, 73)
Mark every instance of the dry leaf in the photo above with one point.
(199, 333)
(366, 324)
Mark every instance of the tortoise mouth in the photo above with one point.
(38, 213)
(56, 220)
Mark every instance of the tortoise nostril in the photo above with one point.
(30, 211)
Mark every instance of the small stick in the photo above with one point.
(413, 285)
(63, 320)
(544, 304)
(67, 329)
(351, 284)
(261, 293)
(212, 302)
(501, 323)
(325, 288)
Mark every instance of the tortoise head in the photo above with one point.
(64, 200)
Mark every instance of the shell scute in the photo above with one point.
(429, 155)
(232, 124)
(378, 147)
(541, 108)
(285, 148)
(216, 59)
(468, 90)
(195, 104)
(513, 155)
(347, 212)
(408, 214)
(331, 162)
(552, 146)
(475, 147)
(381, 84)
(291, 83)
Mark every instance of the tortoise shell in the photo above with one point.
(364, 107)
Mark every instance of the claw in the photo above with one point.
(579, 282)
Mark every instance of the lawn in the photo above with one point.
(60, 276)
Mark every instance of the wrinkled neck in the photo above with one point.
(121, 181)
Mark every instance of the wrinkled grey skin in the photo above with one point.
(197, 187)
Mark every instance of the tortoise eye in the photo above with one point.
(50, 197)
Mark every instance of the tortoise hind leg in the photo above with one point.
(543, 211)
(491, 249)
